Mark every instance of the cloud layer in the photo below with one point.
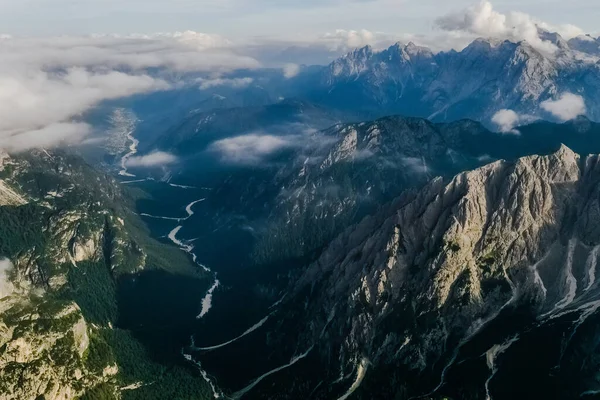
(155, 159)
(253, 148)
(566, 107)
(47, 84)
(38, 107)
(236, 83)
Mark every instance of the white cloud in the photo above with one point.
(53, 135)
(415, 165)
(185, 52)
(155, 159)
(290, 70)
(252, 149)
(236, 83)
(35, 105)
(508, 120)
(482, 20)
(567, 31)
(199, 40)
(566, 107)
(47, 84)
(6, 286)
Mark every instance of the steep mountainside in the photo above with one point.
(477, 288)
(361, 166)
(67, 238)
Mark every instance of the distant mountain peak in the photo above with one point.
(361, 52)
(486, 76)
(553, 37)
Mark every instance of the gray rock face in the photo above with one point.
(360, 166)
(418, 283)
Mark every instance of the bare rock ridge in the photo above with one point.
(415, 285)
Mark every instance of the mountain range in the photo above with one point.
(476, 82)
(369, 229)
(487, 76)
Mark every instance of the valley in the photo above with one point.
(323, 214)
(237, 321)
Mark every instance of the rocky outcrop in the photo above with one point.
(44, 349)
(8, 197)
(72, 223)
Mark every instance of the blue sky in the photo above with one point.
(262, 18)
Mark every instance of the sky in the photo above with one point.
(284, 19)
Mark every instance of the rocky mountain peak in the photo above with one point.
(352, 64)
(483, 44)
(585, 44)
(418, 51)
(361, 53)
(554, 38)
(486, 76)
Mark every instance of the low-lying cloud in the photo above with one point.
(290, 70)
(47, 84)
(415, 165)
(508, 120)
(235, 83)
(566, 107)
(56, 134)
(252, 149)
(37, 106)
(155, 159)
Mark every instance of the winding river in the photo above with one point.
(132, 151)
